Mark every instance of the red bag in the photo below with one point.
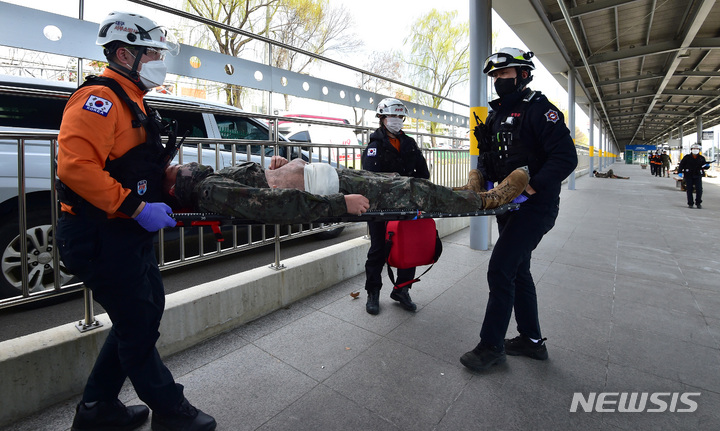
(411, 243)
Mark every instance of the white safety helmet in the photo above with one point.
(695, 146)
(391, 106)
(509, 57)
(136, 30)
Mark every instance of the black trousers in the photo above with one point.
(696, 183)
(509, 279)
(116, 260)
(376, 260)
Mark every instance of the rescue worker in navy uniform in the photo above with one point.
(691, 167)
(389, 150)
(110, 168)
(523, 129)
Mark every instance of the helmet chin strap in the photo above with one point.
(522, 83)
(132, 72)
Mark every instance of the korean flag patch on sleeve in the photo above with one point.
(372, 152)
(98, 105)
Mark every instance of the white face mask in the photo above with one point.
(393, 124)
(153, 74)
(695, 151)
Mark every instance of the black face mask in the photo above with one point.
(505, 86)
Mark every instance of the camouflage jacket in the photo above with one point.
(242, 191)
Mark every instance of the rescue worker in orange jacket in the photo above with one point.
(656, 161)
(110, 169)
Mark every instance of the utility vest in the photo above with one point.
(503, 148)
(141, 169)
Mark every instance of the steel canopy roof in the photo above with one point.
(647, 66)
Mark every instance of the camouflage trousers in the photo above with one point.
(393, 192)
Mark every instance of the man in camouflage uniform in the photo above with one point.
(609, 174)
(244, 191)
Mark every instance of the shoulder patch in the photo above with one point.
(552, 115)
(372, 152)
(98, 105)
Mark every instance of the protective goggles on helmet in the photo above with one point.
(153, 53)
(501, 60)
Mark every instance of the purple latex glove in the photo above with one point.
(489, 185)
(154, 216)
(520, 199)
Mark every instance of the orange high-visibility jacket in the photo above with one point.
(97, 125)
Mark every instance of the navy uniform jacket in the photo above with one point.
(381, 156)
(692, 166)
(545, 136)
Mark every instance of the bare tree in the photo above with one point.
(250, 15)
(314, 26)
(440, 57)
(387, 64)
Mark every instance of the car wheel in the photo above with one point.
(329, 234)
(41, 273)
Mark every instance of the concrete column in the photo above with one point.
(602, 149)
(601, 145)
(598, 146)
(571, 118)
(698, 122)
(480, 45)
(680, 136)
(592, 139)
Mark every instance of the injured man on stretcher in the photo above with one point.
(301, 192)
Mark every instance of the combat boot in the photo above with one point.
(475, 182)
(373, 302)
(510, 188)
(402, 296)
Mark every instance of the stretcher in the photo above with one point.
(215, 221)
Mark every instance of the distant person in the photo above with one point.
(656, 164)
(692, 168)
(666, 160)
(608, 174)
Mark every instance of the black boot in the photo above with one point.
(402, 296)
(373, 302)
(101, 415)
(183, 417)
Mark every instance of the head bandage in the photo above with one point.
(321, 179)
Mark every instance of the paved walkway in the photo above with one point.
(629, 301)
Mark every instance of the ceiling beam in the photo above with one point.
(661, 103)
(633, 95)
(597, 6)
(654, 113)
(683, 92)
(652, 49)
(633, 52)
(633, 78)
(698, 73)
